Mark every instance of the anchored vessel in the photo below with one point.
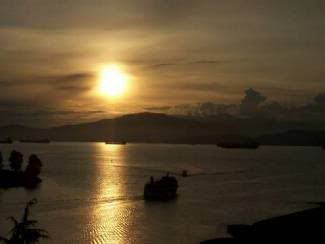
(116, 142)
(7, 141)
(35, 141)
(242, 145)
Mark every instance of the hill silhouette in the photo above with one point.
(162, 128)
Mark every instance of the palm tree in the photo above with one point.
(24, 232)
(34, 166)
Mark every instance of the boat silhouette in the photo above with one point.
(35, 141)
(239, 145)
(7, 141)
(116, 142)
(162, 189)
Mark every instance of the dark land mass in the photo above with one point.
(10, 178)
(306, 226)
(162, 128)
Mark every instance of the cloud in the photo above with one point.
(185, 51)
(74, 82)
(312, 112)
(13, 112)
(161, 65)
(48, 100)
(194, 62)
(254, 105)
(109, 14)
(206, 109)
(72, 77)
(158, 108)
(251, 101)
(203, 109)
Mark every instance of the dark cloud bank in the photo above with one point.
(254, 105)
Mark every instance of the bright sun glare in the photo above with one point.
(112, 81)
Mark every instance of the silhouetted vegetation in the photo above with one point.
(16, 177)
(16, 160)
(25, 231)
(34, 166)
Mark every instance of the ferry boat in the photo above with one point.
(162, 189)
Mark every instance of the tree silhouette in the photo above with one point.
(1, 161)
(34, 166)
(23, 232)
(16, 160)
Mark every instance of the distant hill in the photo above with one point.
(157, 127)
(140, 127)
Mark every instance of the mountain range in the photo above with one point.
(162, 128)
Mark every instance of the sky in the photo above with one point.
(176, 53)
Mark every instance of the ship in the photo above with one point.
(161, 190)
(239, 145)
(6, 141)
(35, 141)
(116, 142)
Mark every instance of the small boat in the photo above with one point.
(116, 142)
(6, 141)
(35, 141)
(239, 145)
(161, 190)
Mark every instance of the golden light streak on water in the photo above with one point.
(110, 219)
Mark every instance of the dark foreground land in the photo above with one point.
(306, 226)
(10, 178)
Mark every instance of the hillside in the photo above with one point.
(157, 127)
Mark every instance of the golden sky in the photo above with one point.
(172, 51)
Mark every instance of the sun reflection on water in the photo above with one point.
(111, 216)
(110, 177)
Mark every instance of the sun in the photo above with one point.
(112, 81)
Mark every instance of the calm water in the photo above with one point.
(91, 192)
